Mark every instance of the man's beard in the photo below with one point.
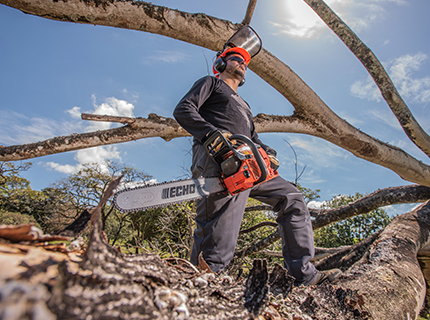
(236, 72)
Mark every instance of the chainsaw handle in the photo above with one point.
(257, 155)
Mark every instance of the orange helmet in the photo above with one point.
(220, 62)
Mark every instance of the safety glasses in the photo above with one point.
(238, 60)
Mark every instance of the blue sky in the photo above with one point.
(52, 71)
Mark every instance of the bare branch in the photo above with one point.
(259, 225)
(377, 199)
(249, 12)
(258, 208)
(107, 118)
(260, 245)
(411, 127)
(346, 256)
(154, 126)
(383, 197)
(340, 257)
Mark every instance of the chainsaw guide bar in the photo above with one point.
(163, 194)
(242, 167)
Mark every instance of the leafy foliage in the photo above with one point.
(352, 230)
(86, 187)
(308, 193)
(167, 231)
(16, 218)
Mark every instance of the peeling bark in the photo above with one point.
(386, 283)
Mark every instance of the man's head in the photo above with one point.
(232, 63)
(221, 62)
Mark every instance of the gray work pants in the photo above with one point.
(219, 218)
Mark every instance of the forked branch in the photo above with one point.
(410, 126)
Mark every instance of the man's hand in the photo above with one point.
(217, 144)
(227, 135)
(274, 162)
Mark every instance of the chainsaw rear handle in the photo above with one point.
(216, 145)
(256, 153)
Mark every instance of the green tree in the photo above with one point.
(308, 193)
(19, 203)
(167, 231)
(352, 230)
(86, 187)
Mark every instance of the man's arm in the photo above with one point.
(187, 113)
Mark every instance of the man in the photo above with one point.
(213, 104)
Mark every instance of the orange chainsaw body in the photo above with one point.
(249, 172)
(243, 165)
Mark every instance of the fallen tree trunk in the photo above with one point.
(387, 283)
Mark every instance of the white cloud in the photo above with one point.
(165, 57)
(401, 72)
(111, 106)
(17, 128)
(296, 19)
(316, 204)
(75, 112)
(66, 168)
(366, 89)
(98, 155)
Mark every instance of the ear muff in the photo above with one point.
(220, 64)
(242, 82)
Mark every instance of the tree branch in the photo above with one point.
(312, 116)
(249, 12)
(324, 217)
(259, 225)
(345, 257)
(377, 199)
(154, 126)
(381, 153)
(410, 126)
(107, 118)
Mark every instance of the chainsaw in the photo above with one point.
(243, 166)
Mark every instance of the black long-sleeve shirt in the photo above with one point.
(212, 105)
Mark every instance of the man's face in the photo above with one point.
(236, 66)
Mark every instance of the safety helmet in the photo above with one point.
(245, 42)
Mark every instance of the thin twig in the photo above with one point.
(259, 225)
